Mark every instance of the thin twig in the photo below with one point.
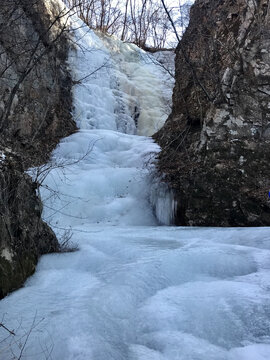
(10, 331)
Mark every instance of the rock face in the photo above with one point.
(35, 106)
(23, 235)
(215, 144)
(35, 86)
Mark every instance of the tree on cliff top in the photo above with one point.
(143, 22)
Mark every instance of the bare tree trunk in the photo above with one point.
(125, 21)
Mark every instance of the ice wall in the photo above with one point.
(103, 174)
(145, 82)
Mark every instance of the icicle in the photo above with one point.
(163, 201)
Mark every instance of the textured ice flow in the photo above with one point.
(149, 293)
(134, 290)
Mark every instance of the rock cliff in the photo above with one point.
(35, 86)
(35, 107)
(23, 235)
(215, 144)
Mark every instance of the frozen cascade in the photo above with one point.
(134, 290)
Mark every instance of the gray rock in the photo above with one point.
(35, 112)
(215, 144)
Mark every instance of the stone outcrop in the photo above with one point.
(35, 112)
(35, 85)
(215, 144)
(23, 235)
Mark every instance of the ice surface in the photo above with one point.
(134, 290)
(109, 185)
(148, 293)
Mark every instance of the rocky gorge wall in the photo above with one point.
(35, 86)
(35, 112)
(23, 235)
(215, 144)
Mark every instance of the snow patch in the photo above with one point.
(2, 156)
(7, 254)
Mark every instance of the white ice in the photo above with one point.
(135, 290)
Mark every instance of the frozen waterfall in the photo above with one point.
(134, 290)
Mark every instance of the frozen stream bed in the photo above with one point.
(135, 290)
(149, 293)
